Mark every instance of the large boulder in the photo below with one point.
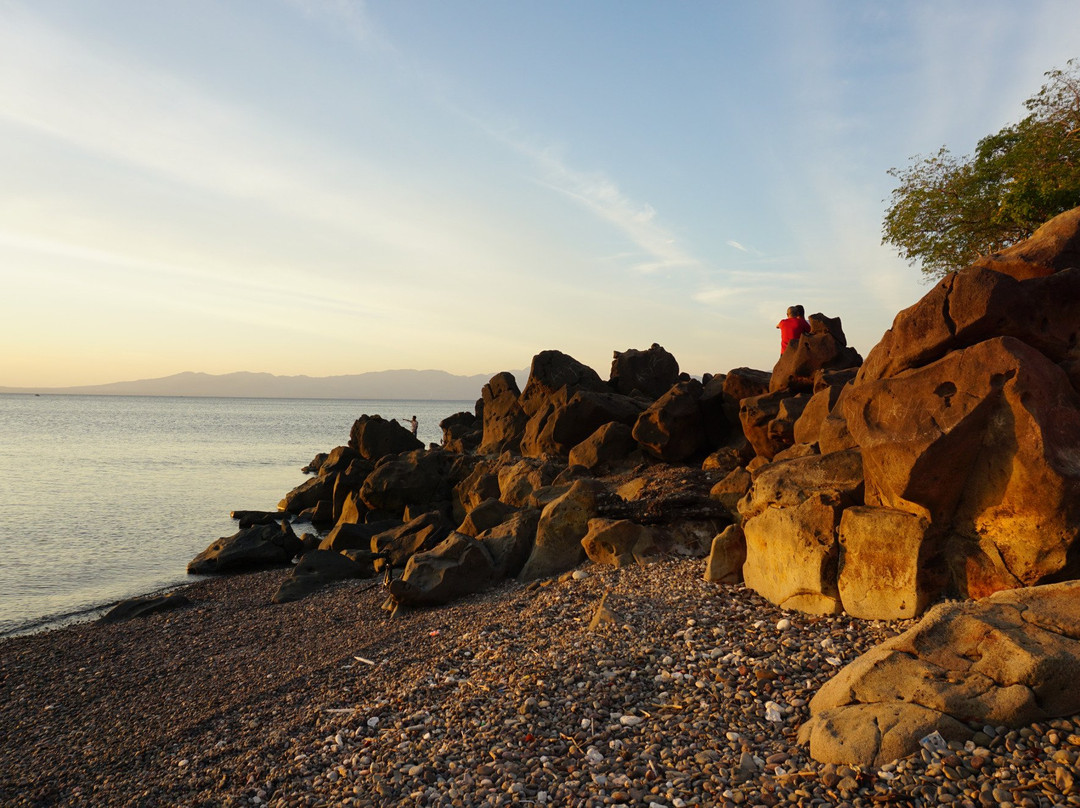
(458, 566)
(727, 556)
(649, 373)
(422, 533)
(977, 304)
(318, 569)
(983, 444)
(740, 383)
(790, 520)
(518, 481)
(417, 480)
(732, 488)
(609, 448)
(487, 514)
(824, 348)
(1007, 660)
(789, 483)
(1053, 247)
(550, 372)
(481, 483)
(807, 428)
(719, 412)
(792, 555)
(253, 548)
(768, 420)
(462, 431)
(890, 566)
(673, 428)
(373, 437)
(510, 542)
(504, 420)
(567, 419)
(347, 484)
(563, 524)
(143, 607)
(620, 542)
(354, 535)
(309, 494)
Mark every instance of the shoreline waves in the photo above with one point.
(680, 693)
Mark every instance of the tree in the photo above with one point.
(947, 211)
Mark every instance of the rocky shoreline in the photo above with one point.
(641, 685)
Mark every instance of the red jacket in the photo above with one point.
(791, 329)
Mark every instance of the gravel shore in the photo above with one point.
(643, 686)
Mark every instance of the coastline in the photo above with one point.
(506, 697)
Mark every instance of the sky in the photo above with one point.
(327, 187)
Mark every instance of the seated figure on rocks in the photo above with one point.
(792, 327)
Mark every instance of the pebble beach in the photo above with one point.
(640, 686)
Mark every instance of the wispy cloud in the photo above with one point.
(350, 17)
(737, 246)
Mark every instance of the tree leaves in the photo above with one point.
(948, 211)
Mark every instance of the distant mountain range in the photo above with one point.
(417, 385)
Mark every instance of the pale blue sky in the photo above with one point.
(328, 187)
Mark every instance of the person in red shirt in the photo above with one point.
(792, 327)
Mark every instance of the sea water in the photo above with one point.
(108, 497)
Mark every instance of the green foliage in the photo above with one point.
(946, 212)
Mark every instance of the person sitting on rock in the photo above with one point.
(792, 327)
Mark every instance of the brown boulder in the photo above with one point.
(373, 437)
(788, 483)
(309, 494)
(727, 557)
(567, 419)
(889, 569)
(347, 484)
(740, 383)
(486, 515)
(650, 373)
(457, 566)
(608, 448)
(504, 420)
(731, 489)
(977, 304)
(354, 536)
(253, 548)
(808, 426)
(792, 554)
(719, 412)
(982, 443)
(1007, 660)
(316, 570)
(511, 541)
(412, 480)
(619, 542)
(550, 372)
(673, 429)
(768, 421)
(462, 432)
(398, 544)
(517, 482)
(481, 483)
(1053, 247)
(563, 524)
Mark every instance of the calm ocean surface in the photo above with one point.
(107, 497)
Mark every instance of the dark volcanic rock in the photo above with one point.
(374, 437)
(140, 607)
(318, 569)
(253, 548)
(650, 373)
